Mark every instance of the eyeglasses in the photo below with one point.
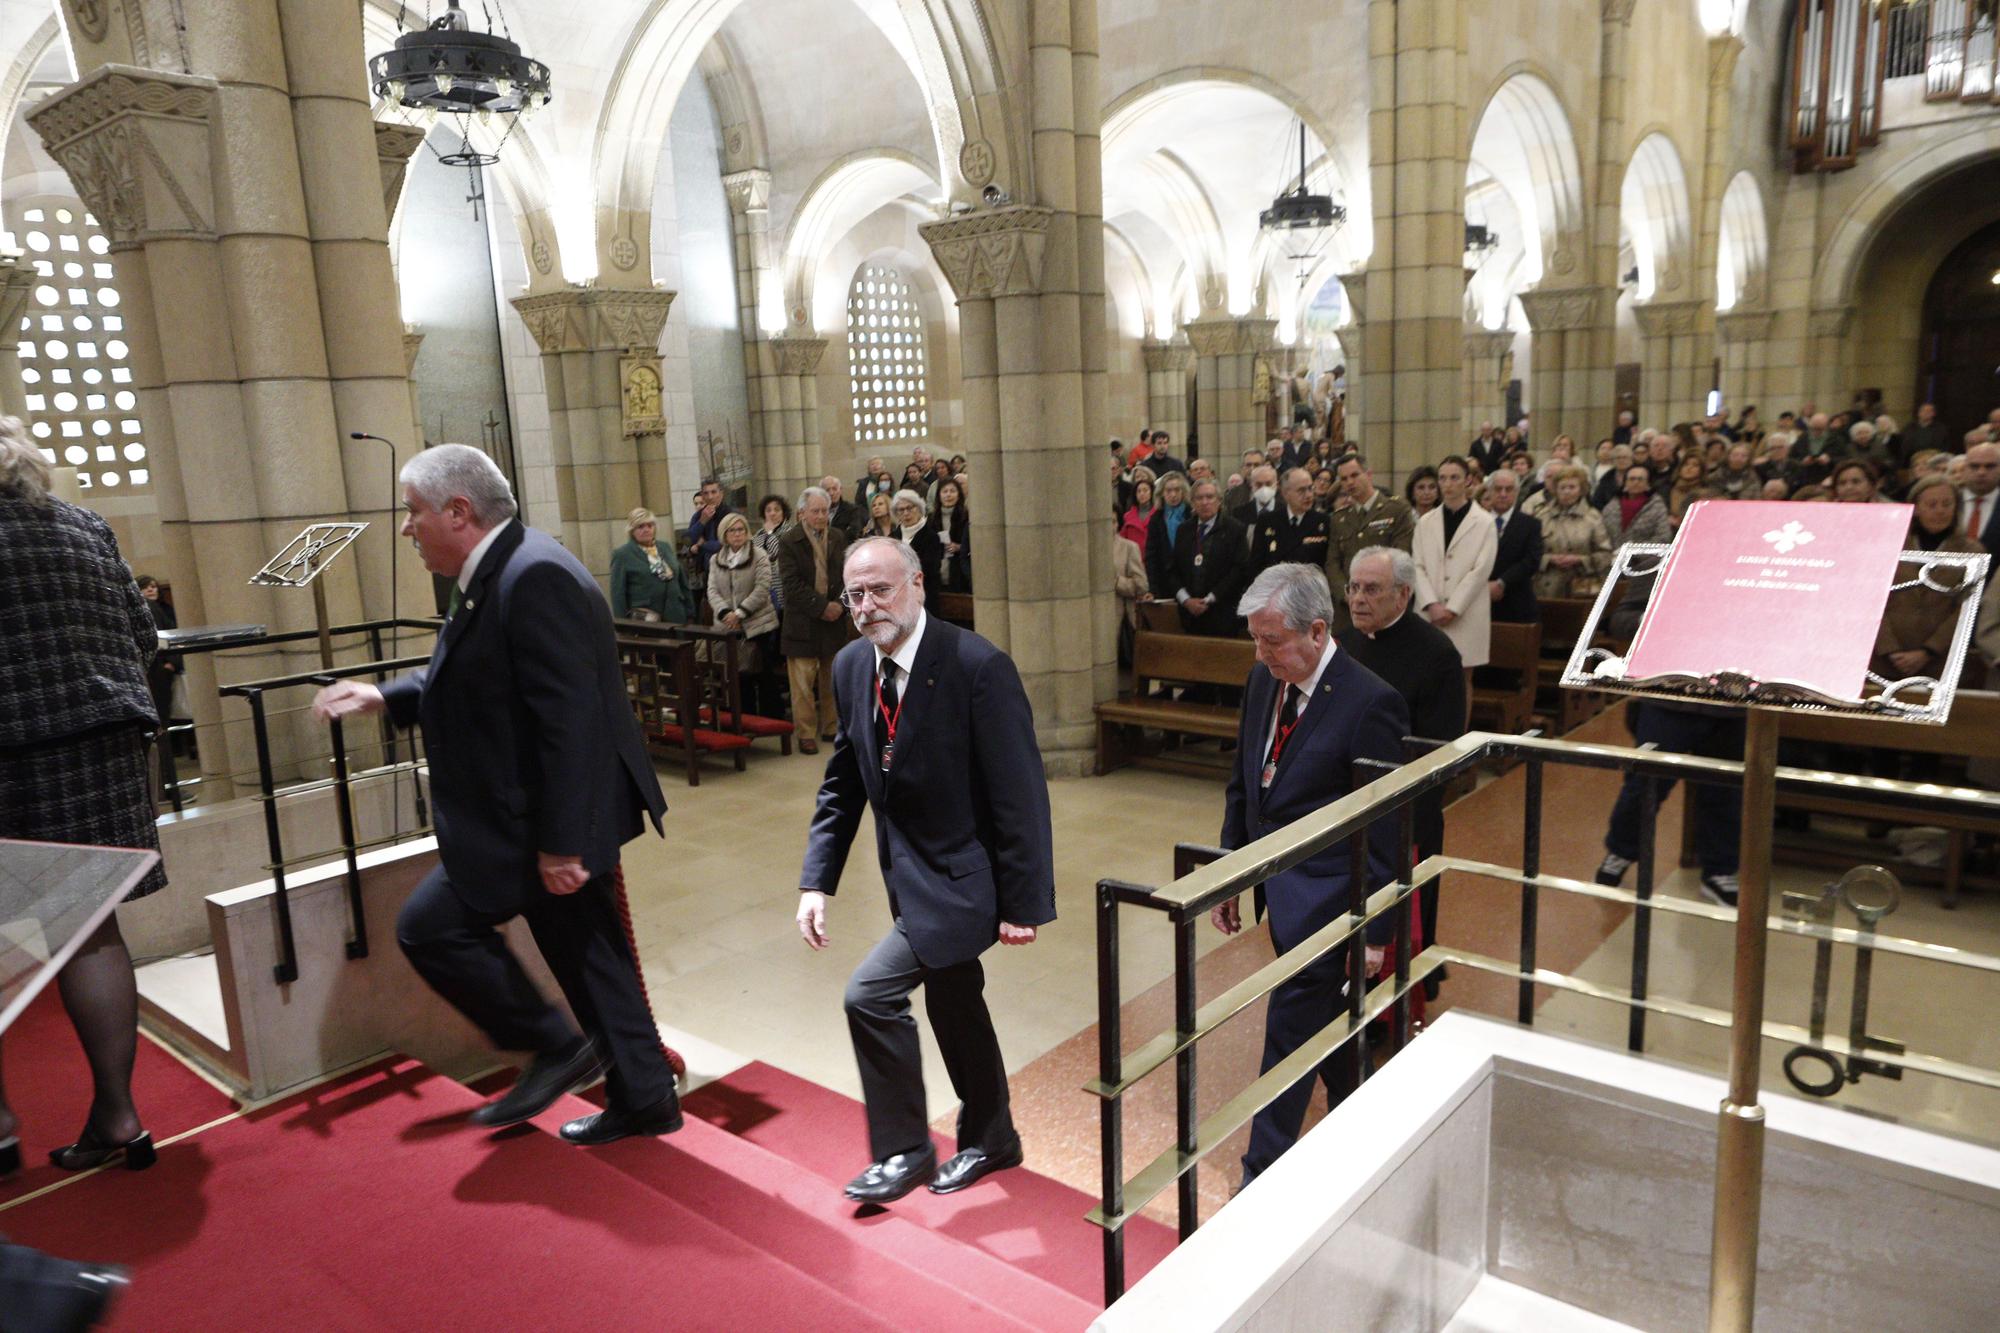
(1368, 589)
(852, 598)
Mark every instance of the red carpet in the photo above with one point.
(48, 1086)
(368, 1204)
(1030, 1222)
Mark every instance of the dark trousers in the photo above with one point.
(1299, 1010)
(891, 1061)
(1717, 812)
(460, 952)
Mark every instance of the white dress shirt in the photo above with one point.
(1306, 694)
(478, 553)
(905, 656)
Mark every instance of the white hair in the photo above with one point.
(1402, 566)
(813, 493)
(24, 472)
(908, 497)
(445, 472)
(1865, 429)
(1297, 592)
(904, 551)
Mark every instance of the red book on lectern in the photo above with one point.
(1775, 590)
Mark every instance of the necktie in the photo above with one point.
(1288, 708)
(889, 685)
(457, 600)
(1500, 524)
(1976, 521)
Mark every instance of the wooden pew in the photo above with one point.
(1173, 659)
(1503, 691)
(662, 683)
(955, 607)
(1563, 619)
(721, 660)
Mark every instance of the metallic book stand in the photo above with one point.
(1739, 1157)
(301, 562)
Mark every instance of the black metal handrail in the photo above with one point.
(253, 692)
(1208, 876)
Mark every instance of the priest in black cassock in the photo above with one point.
(1419, 661)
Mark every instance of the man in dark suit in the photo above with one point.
(1263, 497)
(1979, 497)
(1297, 532)
(538, 776)
(1207, 572)
(1309, 711)
(1518, 557)
(813, 625)
(1421, 663)
(842, 514)
(937, 738)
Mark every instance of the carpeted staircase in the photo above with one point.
(368, 1203)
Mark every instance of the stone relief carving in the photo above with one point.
(1230, 337)
(997, 252)
(1742, 326)
(1830, 323)
(544, 257)
(798, 356)
(1665, 318)
(975, 162)
(640, 397)
(624, 253)
(394, 146)
(1561, 308)
(747, 189)
(1167, 356)
(585, 319)
(91, 17)
(135, 144)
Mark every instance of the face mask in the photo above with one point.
(1264, 495)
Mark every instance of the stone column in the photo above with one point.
(788, 369)
(17, 281)
(1569, 384)
(1486, 355)
(1744, 337)
(413, 342)
(1353, 335)
(1226, 355)
(1167, 367)
(1722, 53)
(1589, 354)
(1416, 274)
(749, 194)
(1826, 359)
(609, 451)
(1674, 367)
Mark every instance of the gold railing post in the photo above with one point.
(1739, 1147)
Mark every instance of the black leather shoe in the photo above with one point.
(90, 1151)
(549, 1077)
(10, 1157)
(609, 1126)
(890, 1179)
(967, 1167)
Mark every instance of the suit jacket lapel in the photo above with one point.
(1316, 709)
(918, 689)
(475, 594)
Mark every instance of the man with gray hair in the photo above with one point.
(538, 777)
(814, 626)
(1309, 711)
(1419, 661)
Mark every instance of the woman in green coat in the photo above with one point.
(646, 584)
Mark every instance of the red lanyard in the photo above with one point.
(887, 720)
(1281, 734)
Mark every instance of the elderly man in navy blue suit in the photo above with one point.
(538, 777)
(1309, 712)
(936, 735)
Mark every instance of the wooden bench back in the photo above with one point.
(1516, 648)
(955, 607)
(1195, 659)
(1562, 624)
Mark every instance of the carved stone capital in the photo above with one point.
(1488, 345)
(395, 145)
(1618, 11)
(1664, 318)
(17, 279)
(747, 190)
(1165, 356)
(413, 342)
(1354, 286)
(1830, 322)
(1230, 337)
(796, 356)
(135, 143)
(994, 252)
(589, 319)
(1744, 326)
(1561, 308)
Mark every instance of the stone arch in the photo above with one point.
(1653, 211)
(14, 86)
(1839, 261)
(1524, 142)
(950, 58)
(1130, 282)
(737, 110)
(1743, 246)
(844, 194)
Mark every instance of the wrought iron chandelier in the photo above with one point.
(448, 68)
(1480, 243)
(1300, 221)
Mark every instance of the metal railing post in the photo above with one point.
(1357, 949)
(1110, 1110)
(1411, 917)
(343, 804)
(1186, 1120)
(1531, 866)
(287, 970)
(1642, 920)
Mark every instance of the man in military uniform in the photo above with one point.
(1295, 532)
(1364, 517)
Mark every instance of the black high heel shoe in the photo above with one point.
(88, 1151)
(10, 1157)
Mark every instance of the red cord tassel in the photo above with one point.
(674, 1058)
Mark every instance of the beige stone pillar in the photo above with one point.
(1416, 274)
(1722, 53)
(609, 455)
(1353, 337)
(749, 194)
(1228, 418)
(1167, 367)
(1569, 382)
(792, 455)
(1827, 362)
(1744, 339)
(1486, 359)
(1675, 369)
(17, 281)
(1588, 354)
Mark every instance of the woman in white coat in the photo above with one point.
(1454, 548)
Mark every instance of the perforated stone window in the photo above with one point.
(886, 357)
(75, 365)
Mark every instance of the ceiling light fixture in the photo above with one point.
(447, 68)
(1300, 221)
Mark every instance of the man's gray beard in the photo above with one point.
(889, 628)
